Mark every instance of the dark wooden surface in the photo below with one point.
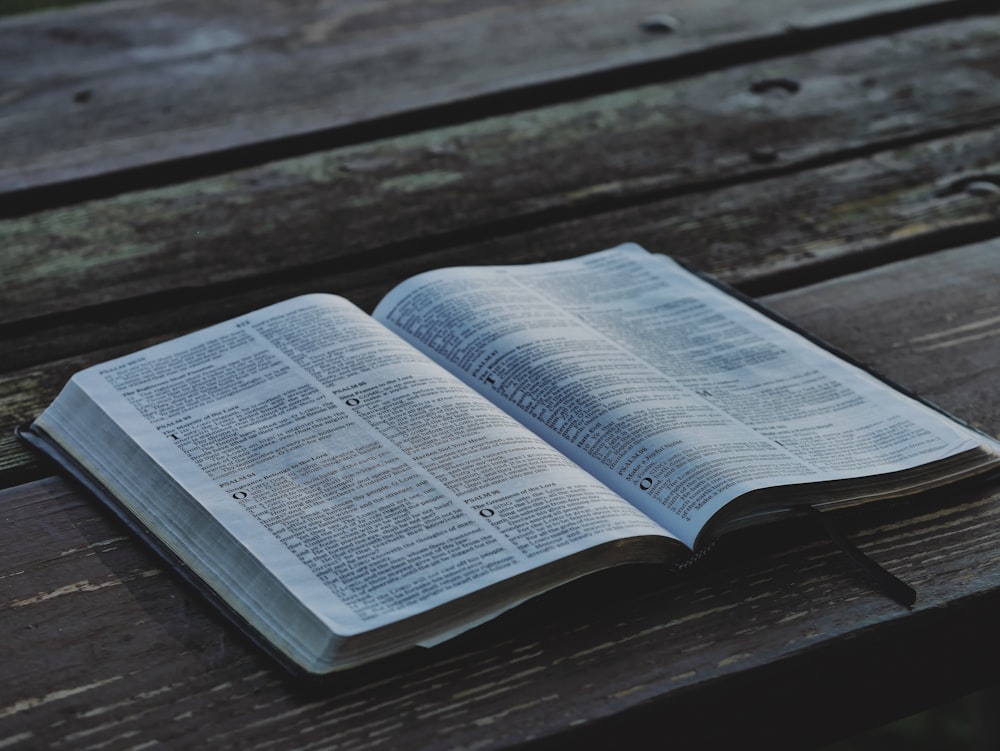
(110, 87)
(168, 164)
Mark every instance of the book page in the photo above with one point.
(675, 394)
(368, 479)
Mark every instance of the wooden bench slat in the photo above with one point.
(121, 85)
(783, 231)
(936, 328)
(610, 648)
(348, 208)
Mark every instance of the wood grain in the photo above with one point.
(779, 610)
(932, 323)
(785, 231)
(590, 160)
(101, 89)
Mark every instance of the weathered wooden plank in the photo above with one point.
(749, 234)
(932, 323)
(636, 647)
(147, 653)
(174, 660)
(862, 211)
(123, 85)
(359, 206)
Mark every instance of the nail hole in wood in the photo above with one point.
(982, 188)
(766, 85)
(660, 24)
(974, 183)
(764, 155)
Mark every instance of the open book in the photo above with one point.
(349, 486)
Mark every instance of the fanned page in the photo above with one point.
(673, 393)
(365, 477)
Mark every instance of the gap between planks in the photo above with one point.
(503, 100)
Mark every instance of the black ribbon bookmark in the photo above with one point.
(889, 584)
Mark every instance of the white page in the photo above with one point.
(373, 483)
(677, 396)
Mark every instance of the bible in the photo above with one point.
(345, 486)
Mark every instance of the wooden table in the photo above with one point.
(164, 165)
